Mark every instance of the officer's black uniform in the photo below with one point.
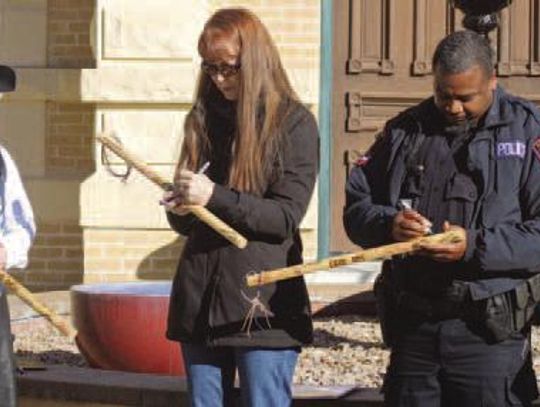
(459, 331)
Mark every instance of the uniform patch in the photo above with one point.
(536, 148)
(362, 160)
(511, 149)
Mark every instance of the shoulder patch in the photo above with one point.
(536, 147)
(361, 161)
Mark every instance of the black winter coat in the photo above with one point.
(210, 299)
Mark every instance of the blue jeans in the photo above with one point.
(265, 375)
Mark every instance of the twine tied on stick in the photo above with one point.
(256, 305)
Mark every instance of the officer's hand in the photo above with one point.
(445, 252)
(409, 224)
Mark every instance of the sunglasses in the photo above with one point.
(223, 69)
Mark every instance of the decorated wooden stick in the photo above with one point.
(22, 292)
(377, 253)
(199, 211)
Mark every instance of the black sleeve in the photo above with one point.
(513, 245)
(181, 224)
(366, 217)
(276, 216)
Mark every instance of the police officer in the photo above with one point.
(456, 316)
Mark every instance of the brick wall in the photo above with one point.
(293, 24)
(68, 33)
(56, 258)
(123, 255)
(63, 255)
(70, 138)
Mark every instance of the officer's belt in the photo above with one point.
(452, 303)
(456, 300)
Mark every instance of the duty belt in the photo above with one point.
(454, 302)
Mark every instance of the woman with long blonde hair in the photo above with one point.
(261, 145)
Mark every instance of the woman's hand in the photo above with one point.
(193, 188)
(172, 201)
(190, 189)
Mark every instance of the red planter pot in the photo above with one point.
(121, 326)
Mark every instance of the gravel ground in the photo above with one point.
(347, 350)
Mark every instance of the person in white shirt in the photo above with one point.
(17, 228)
(17, 231)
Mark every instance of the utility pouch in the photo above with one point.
(510, 312)
(524, 305)
(498, 318)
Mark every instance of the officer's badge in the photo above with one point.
(536, 148)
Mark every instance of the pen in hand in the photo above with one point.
(201, 170)
(204, 168)
(406, 204)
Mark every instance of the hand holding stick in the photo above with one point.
(377, 253)
(199, 211)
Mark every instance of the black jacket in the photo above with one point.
(503, 240)
(210, 299)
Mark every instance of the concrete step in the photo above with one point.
(63, 386)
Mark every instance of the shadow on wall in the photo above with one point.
(66, 150)
(161, 263)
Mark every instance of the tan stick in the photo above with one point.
(199, 211)
(22, 292)
(377, 253)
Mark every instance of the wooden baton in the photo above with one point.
(22, 292)
(377, 253)
(199, 211)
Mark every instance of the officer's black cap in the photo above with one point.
(7, 79)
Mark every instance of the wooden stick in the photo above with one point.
(22, 292)
(199, 211)
(377, 253)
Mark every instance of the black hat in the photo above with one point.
(478, 7)
(7, 79)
